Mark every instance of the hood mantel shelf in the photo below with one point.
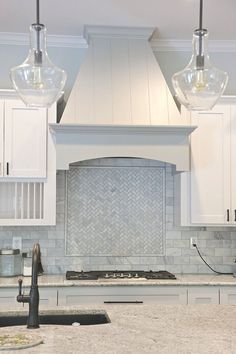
(78, 142)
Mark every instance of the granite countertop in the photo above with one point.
(182, 280)
(141, 329)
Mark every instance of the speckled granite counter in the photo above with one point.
(186, 279)
(141, 329)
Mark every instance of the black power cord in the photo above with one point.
(215, 271)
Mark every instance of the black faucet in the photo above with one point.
(33, 297)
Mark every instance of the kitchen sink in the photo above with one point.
(58, 319)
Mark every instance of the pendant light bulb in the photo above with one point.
(200, 84)
(37, 80)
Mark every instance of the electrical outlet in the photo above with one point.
(193, 241)
(17, 243)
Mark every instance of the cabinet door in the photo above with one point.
(25, 140)
(203, 295)
(48, 297)
(233, 163)
(8, 299)
(228, 295)
(1, 135)
(210, 166)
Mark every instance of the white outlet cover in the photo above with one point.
(193, 240)
(17, 243)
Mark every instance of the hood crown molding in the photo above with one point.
(117, 32)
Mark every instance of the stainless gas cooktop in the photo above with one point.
(117, 274)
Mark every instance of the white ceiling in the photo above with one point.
(174, 19)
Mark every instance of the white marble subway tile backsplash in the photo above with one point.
(218, 245)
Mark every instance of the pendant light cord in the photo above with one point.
(200, 14)
(38, 55)
(200, 59)
(37, 12)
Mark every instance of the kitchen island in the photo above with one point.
(140, 329)
(187, 289)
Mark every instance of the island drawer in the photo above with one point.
(121, 294)
(48, 297)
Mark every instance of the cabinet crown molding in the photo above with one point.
(158, 45)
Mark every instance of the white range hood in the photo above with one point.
(120, 104)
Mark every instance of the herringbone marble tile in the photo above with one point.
(115, 211)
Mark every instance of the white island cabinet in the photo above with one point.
(186, 289)
(207, 194)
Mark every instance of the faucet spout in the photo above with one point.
(36, 264)
(33, 297)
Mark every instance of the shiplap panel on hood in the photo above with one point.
(120, 82)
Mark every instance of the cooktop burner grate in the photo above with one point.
(94, 275)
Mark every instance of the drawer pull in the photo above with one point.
(234, 214)
(227, 214)
(7, 168)
(123, 302)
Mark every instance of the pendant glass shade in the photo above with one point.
(200, 84)
(37, 80)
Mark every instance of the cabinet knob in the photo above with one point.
(20, 286)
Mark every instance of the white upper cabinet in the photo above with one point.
(1, 136)
(210, 166)
(24, 132)
(27, 163)
(233, 164)
(208, 193)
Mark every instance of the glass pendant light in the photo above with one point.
(37, 80)
(200, 84)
